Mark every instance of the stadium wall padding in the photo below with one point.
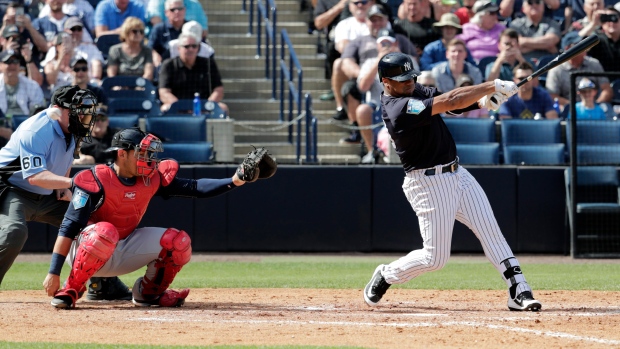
(348, 209)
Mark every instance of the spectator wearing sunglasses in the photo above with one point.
(182, 76)
(111, 14)
(192, 10)
(513, 8)
(192, 28)
(482, 33)
(74, 27)
(79, 72)
(18, 94)
(52, 24)
(538, 35)
(81, 9)
(531, 102)
(608, 49)
(164, 32)
(27, 31)
(131, 57)
(12, 40)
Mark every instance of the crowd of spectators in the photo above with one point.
(48, 44)
(461, 42)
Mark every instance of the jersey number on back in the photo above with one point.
(29, 162)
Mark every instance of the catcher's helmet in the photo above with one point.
(146, 147)
(397, 66)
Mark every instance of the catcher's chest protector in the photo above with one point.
(123, 205)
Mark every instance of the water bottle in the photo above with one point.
(556, 105)
(197, 106)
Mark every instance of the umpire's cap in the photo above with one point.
(63, 96)
(126, 139)
(397, 66)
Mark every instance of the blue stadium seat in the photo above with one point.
(124, 121)
(615, 87)
(478, 154)
(142, 107)
(104, 42)
(484, 61)
(129, 87)
(601, 154)
(179, 128)
(18, 119)
(186, 106)
(595, 132)
(542, 61)
(471, 130)
(517, 131)
(189, 152)
(535, 154)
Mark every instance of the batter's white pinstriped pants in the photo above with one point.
(438, 200)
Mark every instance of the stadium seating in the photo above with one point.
(532, 142)
(542, 61)
(186, 106)
(124, 121)
(471, 130)
(129, 87)
(179, 129)
(596, 224)
(142, 107)
(478, 154)
(615, 86)
(535, 154)
(104, 42)
(598, 142)
(189, 152)
(484, 61)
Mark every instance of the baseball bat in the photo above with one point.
(580, 47)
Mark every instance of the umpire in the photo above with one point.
(438, 189)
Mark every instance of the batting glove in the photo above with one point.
(492, 101)
(508, 88)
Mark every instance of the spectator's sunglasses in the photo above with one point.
(138, 31)
(80, 69)
(534, 2)
(194, 46)
(176, 9)
(77, 28)
(362, 2)
(609, 17)
(12, 61)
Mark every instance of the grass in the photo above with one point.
(349, 273)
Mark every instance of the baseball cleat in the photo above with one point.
(170, 298)
(65, 298)
(524, 302)
(108, 289)
(376, 287)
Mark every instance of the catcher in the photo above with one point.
(98, 235)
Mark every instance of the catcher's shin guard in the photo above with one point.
(97, 244)
(177, 251)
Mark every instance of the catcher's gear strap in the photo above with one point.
(511, 271)
(177, 251)
(96, 245)
(85, 179)
(168, 170)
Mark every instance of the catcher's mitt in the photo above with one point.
(258, 164)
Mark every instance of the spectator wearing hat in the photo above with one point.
(14, 42)
(558, 78)
(538, 35)
(435, 52)
(157, 10)
(74, 28)
(588, 108)
(18, 94)
(415, 25)
(512, 8)
(94, 152)
(509, 56)
(111, 14)
(79, 72)
(446, 73)
(466, 12)
(531, 102)
(166, 31)
(481, 34)
(81, 9)
(192, 28)
(53, 24)
(131, 57)
(462, 81)
(27, 30)
(607, 51)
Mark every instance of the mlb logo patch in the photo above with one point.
(79, 199)
(415, 106)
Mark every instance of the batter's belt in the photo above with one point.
(451, 167)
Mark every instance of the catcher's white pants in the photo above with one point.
(438, 200)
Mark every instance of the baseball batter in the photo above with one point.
(99, 235)
(437, 187)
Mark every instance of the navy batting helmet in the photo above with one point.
(397, 66)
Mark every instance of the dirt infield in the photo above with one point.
(407, 319)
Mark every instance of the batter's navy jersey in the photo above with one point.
(422, 140)
(37, 145)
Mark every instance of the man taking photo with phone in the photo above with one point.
(608, 49)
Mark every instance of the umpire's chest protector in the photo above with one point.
(123, 205)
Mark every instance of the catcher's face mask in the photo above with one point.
(146, 153)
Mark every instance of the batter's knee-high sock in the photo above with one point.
(511, 272)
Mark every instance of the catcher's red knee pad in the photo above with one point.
(177, 246)
(97, 244)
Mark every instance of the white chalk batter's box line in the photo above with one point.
(396, 325)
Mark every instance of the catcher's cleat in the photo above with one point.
(170, 298)
(524, 302)
(65, 298)
(108, 289)
(376, 287)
